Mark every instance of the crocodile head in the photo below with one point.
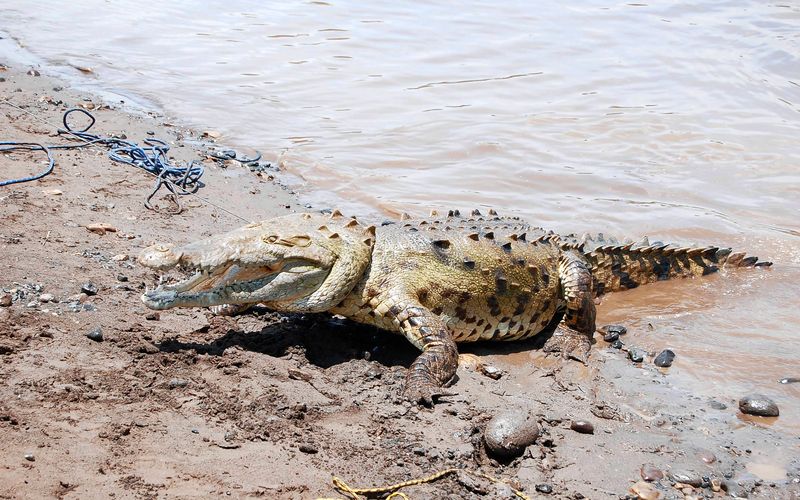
(299, 262)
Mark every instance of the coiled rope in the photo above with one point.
(152, 157)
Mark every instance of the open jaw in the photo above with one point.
(205, 287)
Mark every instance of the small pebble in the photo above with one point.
(47, 297)
(508, 434)
(650, 472)
(686, 476)
(611, 337)
(582, 426)
(717, 405)
(665, 358)
(122, 278)
(734, 490)
(492, 372)
(617, 344)
(29, 457)
(636, 355)
(178, 382)
(706, 456)
(96, 334)
(89, 288)
(758, 404)
(645, 491)
(307, 448)
(152, 316)
(544, 488)
(5, 300)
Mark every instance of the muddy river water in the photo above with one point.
(663, 118)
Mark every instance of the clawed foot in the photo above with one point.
(570, 344)
(424, 394)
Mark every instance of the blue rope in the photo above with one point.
(152, 157)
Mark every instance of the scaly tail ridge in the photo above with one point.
(617, 266)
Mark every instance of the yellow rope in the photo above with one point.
(357, 493)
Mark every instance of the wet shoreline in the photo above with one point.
(66, 405)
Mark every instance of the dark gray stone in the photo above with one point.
(611, 336)
(618, 329)
(758, 404)
(89, 288)
(636, 355)
(96, 334)
(508, 434)
(665, 358)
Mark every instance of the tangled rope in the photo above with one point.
(152, 157)
(358, 493)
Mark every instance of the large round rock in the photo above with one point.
(758, 404)
(508, 434)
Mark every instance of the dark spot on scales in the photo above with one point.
(489, 235)
(469, 264)
(545, 275)
(396, 309)
(522, 303)
(422, 295)
(442, 244)
(507, 247)
(460, 313)
(661, 268)
(437, 310)
(500, 281)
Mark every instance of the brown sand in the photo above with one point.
(184, 404)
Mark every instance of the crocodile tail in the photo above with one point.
(617, 266)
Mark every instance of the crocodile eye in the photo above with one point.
(162, 248)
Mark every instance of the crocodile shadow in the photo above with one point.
(327, 341)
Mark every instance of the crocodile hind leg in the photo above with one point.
(439, 359)
(573, 337)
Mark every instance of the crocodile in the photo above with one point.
(438, 281)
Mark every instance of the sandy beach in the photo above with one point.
(185, 404)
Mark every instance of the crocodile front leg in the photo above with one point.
(439, 359)
(573, 338)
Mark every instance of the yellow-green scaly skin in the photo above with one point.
(437, 281)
